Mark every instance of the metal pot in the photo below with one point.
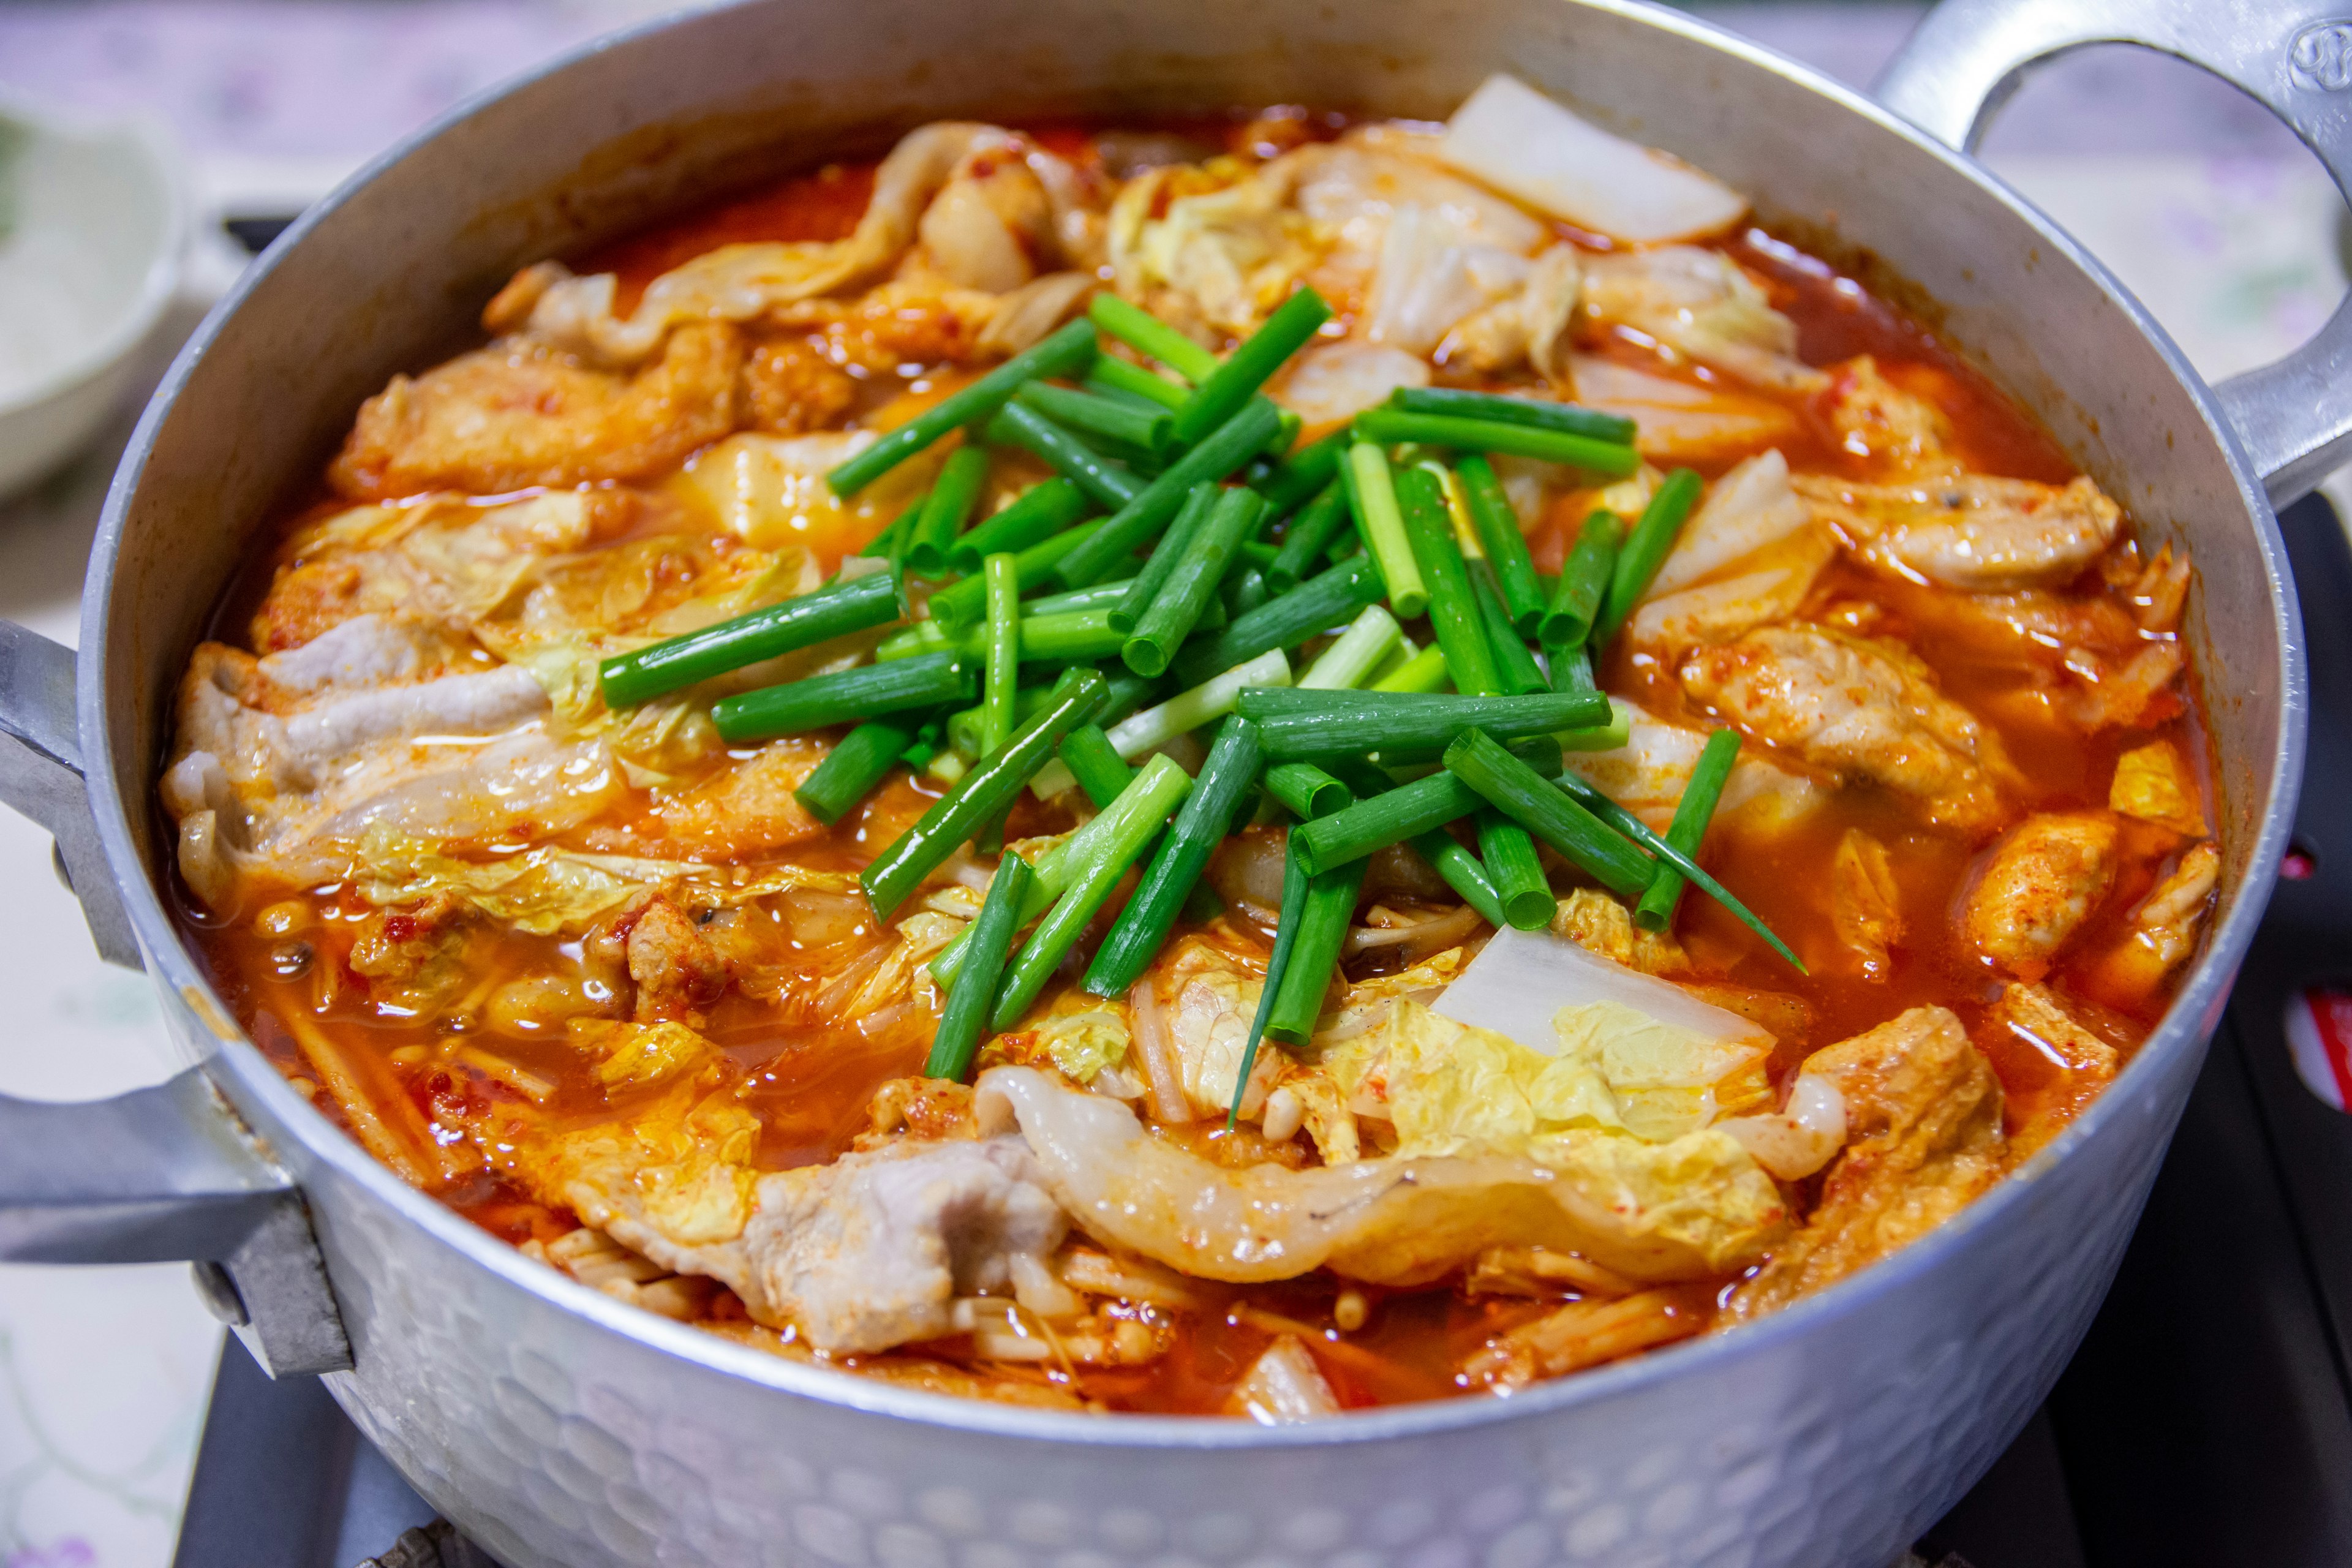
(563, 1430)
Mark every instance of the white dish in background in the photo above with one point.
(92, 224)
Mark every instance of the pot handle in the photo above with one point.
(2292, 417)
(161, 1173)
(41, 776)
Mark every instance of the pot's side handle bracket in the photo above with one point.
(158, 1174)
(166, 1174)
(41, 776)
(2293, 417)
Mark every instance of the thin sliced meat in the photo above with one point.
(2041, 882)
(1922, 1115)
(1971, 531)
(1395, 1221)
(519, 414)
(1862, 708)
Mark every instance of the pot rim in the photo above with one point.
(2185, 1027)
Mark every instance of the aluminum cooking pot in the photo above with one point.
(561, 1429)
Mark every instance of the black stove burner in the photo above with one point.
(2206, 1419)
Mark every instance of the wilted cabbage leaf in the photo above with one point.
(545, 890)
(1666, 1080)
(1083, 1043)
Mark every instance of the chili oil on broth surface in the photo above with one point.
(592, 978)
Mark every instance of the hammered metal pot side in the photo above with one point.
(564, 1431)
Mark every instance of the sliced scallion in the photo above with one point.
(979, 795)
(1108, 483)
(1506, 546)
(1514, 872)
(928, 680)
(840, 607)
(1090, 873)
(1583, 583)
(1065, 352)
(860, 761)
(1373, 497)
(1225, 449)
(957, 1040)
(1688, 829)
(1037, 514)
(1391, 425)
(1452, 610)
(1171, 613)
(1307, 726)
(1135, 939)
(1452, 404)
(1646, 550)
(1532, 801)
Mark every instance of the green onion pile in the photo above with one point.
(1156, 587)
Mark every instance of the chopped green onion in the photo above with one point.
(1583, 583)
(1220, 394)
(1306, 790)
(840, 607)
(1355, 653)
(1100, 770)
(1101, 596)
(1514, 872)
(957, 1039)
(1208, 814)
(1646, 548)
(1314, 953)
(1612, 736)
(1003, 668)
(1425, 672)
(1091, 872)
(946, 510)
(1106, 482)
(1453, 611)
(1515, 669)
(1408, 811)
(1312, 529)
(843, 697)
(1148, 335)
(1227, 448)
(1389, 426)
(1499, 536)
(1245, 592)
(1530, 799)
(963, 727)
(1688, 829)
(1307, 726)
(1607, 810)
(1294, 883)
(1373, 497)
(1067, 636)
(1284, 621)
(1463, 873)
(1189, 709)
(962, 604)
(1572, 669)
(1304, 474)
(1452, 403)
(1117, 419)
(1117, 375)
(888, 543)
(979, 796)
(1037, 514)
(861, 760)
(1208, 553)
(1065, 352)
(1143, 588)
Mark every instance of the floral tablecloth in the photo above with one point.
(2209, 212)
